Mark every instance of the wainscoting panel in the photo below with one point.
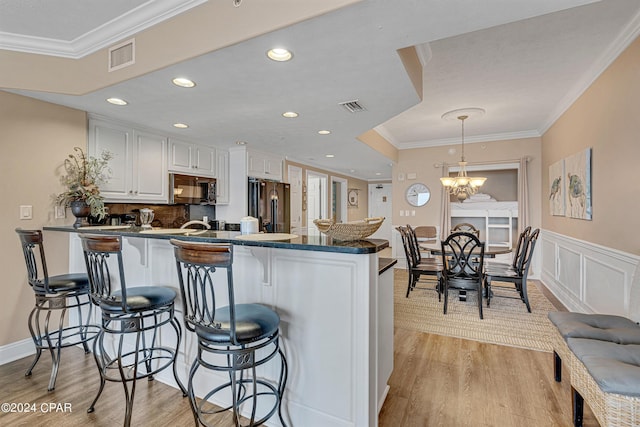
(549, 257)
(587, 277)
(569, 270)
(605, 286)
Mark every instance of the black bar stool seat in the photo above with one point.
(254, 322)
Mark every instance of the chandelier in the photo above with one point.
(462, 185)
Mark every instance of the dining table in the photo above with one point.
(490, 251)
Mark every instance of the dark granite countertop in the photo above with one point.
(320, 243)
(385, 263)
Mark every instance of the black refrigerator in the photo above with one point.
(269, 202)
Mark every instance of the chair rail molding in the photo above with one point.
(587, 277)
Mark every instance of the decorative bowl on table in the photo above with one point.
(348, 231)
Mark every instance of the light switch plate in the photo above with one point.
(59, 212)
(26, 212)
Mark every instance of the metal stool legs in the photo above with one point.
(54, 340)
(242, 387)
(143, 360)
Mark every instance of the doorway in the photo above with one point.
(317, 198)
(339, 199)
(380, 206)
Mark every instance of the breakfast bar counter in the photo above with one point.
(335, 301)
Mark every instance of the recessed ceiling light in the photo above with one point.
(290, 114)
(241, 142)
(279, 54)
(324, 132)
(117, 101)
(329, 156)
(180, 125)
(378, 173)
(183, 82)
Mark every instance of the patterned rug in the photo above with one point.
(506, 322)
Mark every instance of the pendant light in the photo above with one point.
(462, 185)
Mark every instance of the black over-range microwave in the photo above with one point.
(192, 190)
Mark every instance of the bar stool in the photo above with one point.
(55, 295)
(239, 337)
(128, 314)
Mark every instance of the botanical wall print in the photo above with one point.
(577, 185)
(556, 188)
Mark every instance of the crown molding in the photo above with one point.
(624, 39)
(126, 25)
(471, 139)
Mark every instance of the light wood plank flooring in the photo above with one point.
(437, 381)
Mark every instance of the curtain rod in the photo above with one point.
(488, 162)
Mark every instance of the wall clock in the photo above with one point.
(418, 194)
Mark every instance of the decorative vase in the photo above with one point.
(81, 210)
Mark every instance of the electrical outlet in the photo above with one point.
(59, 212)
(26, 212)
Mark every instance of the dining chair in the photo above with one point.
(517, 254)
(517, 276)
(55, 297)
(463, 265)
(140, 335)
(418, 267)
(466, 227)
(415, 243)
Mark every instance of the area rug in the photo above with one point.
(506, 322)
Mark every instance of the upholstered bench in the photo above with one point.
(607, 376)
(602, 327)
(603, 353)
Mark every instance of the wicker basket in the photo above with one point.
(347, 231)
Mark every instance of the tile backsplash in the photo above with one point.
(169, 216)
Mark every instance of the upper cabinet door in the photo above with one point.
(192, 159)
(139, 163)
(263, 165)
(205, 160)
(151, 167)
(180, 156)
(116, 139)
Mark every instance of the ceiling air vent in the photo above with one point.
(353, 106)
(122, 55)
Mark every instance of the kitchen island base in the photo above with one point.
(336, 315)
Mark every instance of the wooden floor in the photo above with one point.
(436, 381)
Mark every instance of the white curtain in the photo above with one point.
(523, 195)
(445, 215)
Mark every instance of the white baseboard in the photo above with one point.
(16, 350)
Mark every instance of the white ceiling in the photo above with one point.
(523, 61)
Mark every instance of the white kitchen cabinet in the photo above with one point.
(139, 163)
(222, 181)
(263, 165)
(193, 159)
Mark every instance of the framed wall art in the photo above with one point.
(556, 189)
(577, 185)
